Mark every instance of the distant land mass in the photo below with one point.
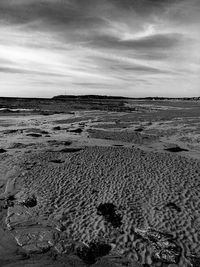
(93, 97)
(69, 103)
(97, 97)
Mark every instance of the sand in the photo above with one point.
(53, 183)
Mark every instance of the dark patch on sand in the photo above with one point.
(30, 202)
(176, 149)
(108, 211)
(9, 201)
(56, 128)
(11, 131)
(44, 132)
(57, 161)
(139, 130)
(108, 138)
(2, 150)
(67, 143)
(71, 149)
(90, 254)
(173, 206)
(34, 135)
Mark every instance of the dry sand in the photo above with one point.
(56, 171)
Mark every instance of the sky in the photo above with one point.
(132, 48)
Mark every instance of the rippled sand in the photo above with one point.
(139, 183)
(52, 185)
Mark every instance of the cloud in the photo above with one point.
(148, 44)
(10, 70)
(126, 67)
(156, 41)
(61, 13)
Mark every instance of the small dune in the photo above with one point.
(123, 136)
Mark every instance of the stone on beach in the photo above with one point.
(35, 239)
(163, 245)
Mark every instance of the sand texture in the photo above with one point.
(89, 188)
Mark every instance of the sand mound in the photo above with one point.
(123, 136)
(111, 125)
(73, 120)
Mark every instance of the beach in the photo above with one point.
(101, 187)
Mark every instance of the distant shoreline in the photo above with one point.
(99, 97)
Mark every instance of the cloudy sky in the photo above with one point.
(110, 47)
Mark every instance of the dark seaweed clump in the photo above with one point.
(70, 149)
(57, 161)
(176, 149)
(78, 130)
(30, 202)
(11, 131)
(108, 211)
(139, 130)
(57, 128)
(90, 254)
(34, 135)
(9, 201)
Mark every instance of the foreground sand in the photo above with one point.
(53, 181)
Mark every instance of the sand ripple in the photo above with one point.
(140, 185)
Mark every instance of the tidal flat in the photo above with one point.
(99, 182)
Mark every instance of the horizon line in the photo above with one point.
(109, 96)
